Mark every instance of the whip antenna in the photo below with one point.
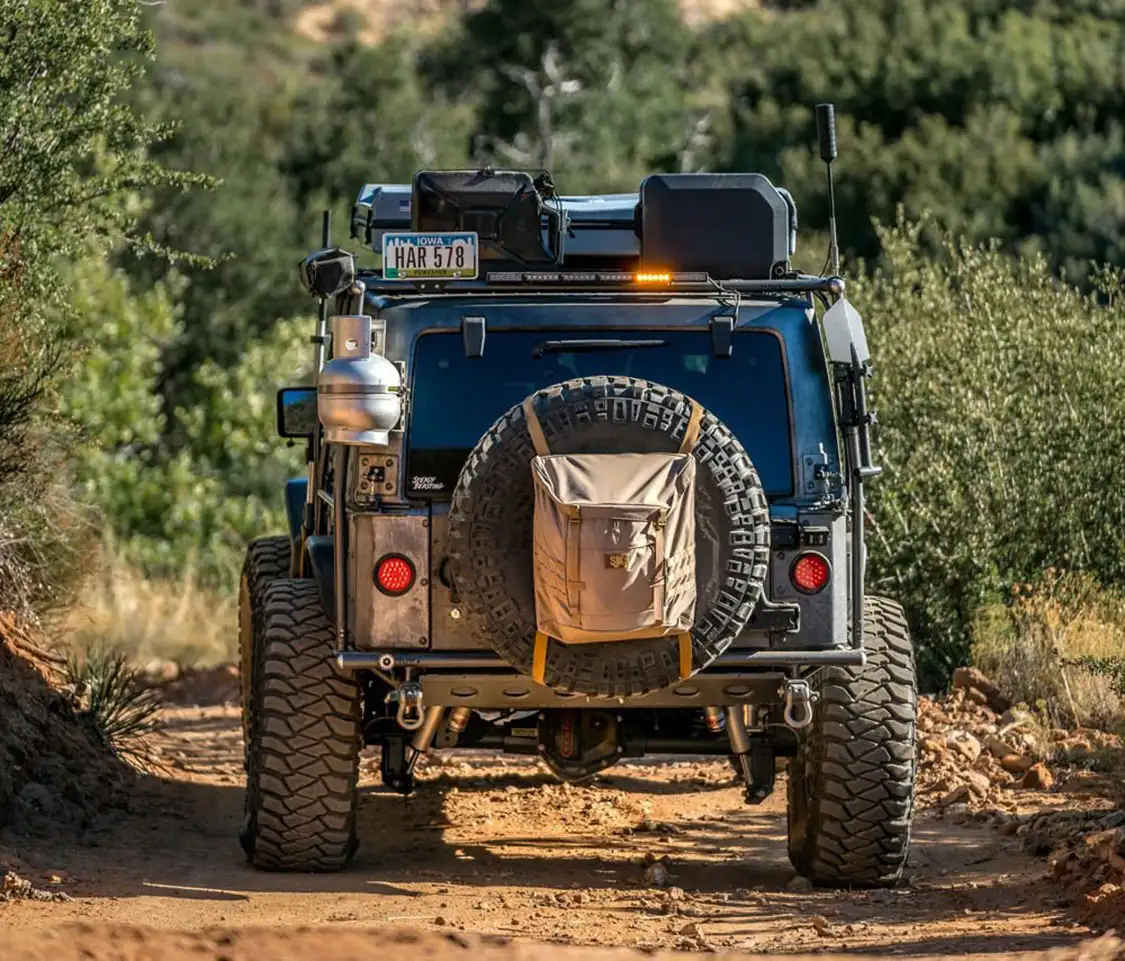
(826, 138)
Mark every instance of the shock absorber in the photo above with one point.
(715, 720)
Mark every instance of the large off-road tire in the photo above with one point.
(851, 785)
(490, 530)
(303, 771)
(267, 559)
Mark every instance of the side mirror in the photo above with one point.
(328, 273)
(296, 412)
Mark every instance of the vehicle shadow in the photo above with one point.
(178, 840)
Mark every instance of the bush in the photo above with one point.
(1053, 645)
(1001, 396)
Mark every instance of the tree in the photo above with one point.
(595, 91)
(72, 154)
(1000, 118)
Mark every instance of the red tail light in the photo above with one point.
(394, 574)
(810, 573)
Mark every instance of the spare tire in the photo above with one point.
(491, 522)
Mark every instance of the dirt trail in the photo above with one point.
(496, 847)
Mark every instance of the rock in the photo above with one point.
(931, 745)
(657, 875)
(959, 794)
(799, 884)
(972, 679)
(822, 926)
(38, 797)
(977, 696)
(1017, 763)
(998, 747)
(1115, 819)
(978, 783)
(964, 744)
(161, 670)
(692, 930)
(1037, 778)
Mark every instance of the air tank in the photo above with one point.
(359, 394)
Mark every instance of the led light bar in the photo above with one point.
(643, 278)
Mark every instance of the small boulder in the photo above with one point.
(964, 744)
(972, 679)
(800, 884)
(998, 747)
(958, 795)
(978, 783)
(1018, 764)
(1038, 778)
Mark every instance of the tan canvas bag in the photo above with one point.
(613, 545)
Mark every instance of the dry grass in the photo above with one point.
(151, 620)
(1028, 647)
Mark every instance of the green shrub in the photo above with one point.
(1001, 399)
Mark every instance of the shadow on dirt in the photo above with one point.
(178, 840)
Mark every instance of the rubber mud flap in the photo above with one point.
(491, 524)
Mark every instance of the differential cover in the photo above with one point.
(491, 527)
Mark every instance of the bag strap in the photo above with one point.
(691, 432)
(539, 657)
(535, 429)
(685, 656)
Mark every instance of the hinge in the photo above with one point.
(722, 335)
(473, 333)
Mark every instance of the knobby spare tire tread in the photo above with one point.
(304, 748)
(267, 559)
(491, 521)
(851, 787)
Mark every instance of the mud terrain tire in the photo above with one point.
(491, 521)
(267, 559)
(303, 770)
(851, 785)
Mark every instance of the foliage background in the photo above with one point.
(145, 381)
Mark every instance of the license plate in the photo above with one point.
(430, 256)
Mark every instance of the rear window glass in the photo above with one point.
(455, 400)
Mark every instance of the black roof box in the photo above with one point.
(733, 226)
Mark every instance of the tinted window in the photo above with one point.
(455, 399)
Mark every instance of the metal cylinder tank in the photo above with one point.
(359, 394)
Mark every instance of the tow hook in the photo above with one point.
(410, 715)
(799, 700)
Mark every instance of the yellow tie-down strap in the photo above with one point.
(539, 656)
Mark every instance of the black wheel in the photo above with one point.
(851, 785)
(267, 559)
(303, 768)
(490, 531)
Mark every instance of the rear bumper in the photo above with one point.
(485, 681)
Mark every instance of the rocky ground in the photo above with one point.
(1018, 852)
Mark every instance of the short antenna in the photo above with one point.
(322, 320)
(826, 139)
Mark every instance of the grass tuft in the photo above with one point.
(1044, 648)
(124, 712)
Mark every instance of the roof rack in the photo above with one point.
(606, 281)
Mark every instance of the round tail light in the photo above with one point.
(394, 574)
(810, 573)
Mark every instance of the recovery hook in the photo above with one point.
(410, 715)
(799, 699)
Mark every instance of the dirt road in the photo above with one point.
(496, 847)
